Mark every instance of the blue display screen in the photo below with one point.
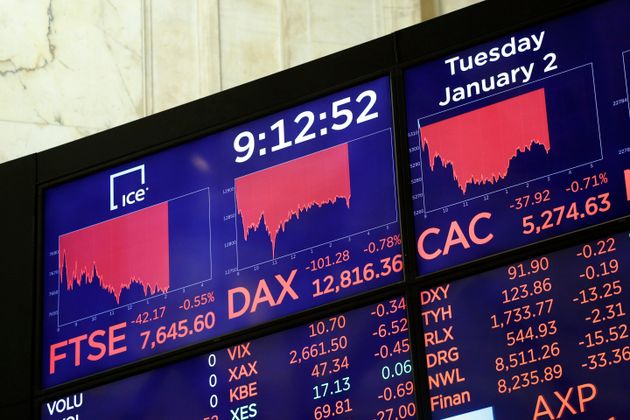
(351, 365)
(522, 138)
(257, 222)
(544, 338)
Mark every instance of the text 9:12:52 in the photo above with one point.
(339, 117)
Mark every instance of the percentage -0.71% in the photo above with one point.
(588, 182)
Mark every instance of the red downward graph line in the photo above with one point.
(480, 144)
(280, 192)
(129, 249)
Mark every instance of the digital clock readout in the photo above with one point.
(342, 114)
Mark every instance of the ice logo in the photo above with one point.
(128, 197)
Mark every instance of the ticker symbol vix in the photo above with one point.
(275, 195)
(133, 248)
(480, 144)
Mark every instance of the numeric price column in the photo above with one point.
(325, 355)
(391, 329)
(601, 307)
(531, 353)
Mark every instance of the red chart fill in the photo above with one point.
(480, 144)
(133, 248)
(275, 195)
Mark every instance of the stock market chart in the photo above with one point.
(350, 365)
(257, 222)
(521, 138)
(538, 339)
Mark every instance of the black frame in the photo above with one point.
(389, 55)
(17, 269)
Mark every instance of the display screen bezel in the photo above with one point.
(387, 56)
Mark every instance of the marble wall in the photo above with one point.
(72, 68)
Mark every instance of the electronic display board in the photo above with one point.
(521, 138)
(260, 221)
(351, 365)
(539, 339)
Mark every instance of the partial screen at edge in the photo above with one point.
(545, 338)
(282, 214)
(522, 138)
(351, 365)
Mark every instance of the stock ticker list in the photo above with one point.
(541, 339)
(350, 365)
(263, 220)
